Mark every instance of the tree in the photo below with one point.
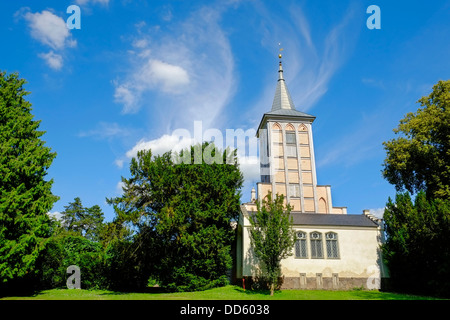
(420, 158)
(271, 236)
(66, 249)
(86, 222)
(181, 214)
(417, 250)
(25, 195)
(77, 240)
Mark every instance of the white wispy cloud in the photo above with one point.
(106, 130)
(187, 69)
(310, 59)
(177, 141)
(56, 215)
(51, 31)
(53, 60)
(351, 148)
(119, 187)
(161, 145)
(249, 167)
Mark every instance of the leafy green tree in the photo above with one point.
(64, 250)
(86, 222)
(25, 195)
(419, 159)
(417, 250)
(77, 240)
(181, 214)
(271, 236)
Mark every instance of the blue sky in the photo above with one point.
(138, 70)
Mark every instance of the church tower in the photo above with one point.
(333, 250)
(287, 162)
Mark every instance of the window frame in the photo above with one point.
(291, 150)
(296, 188)
(316, 243)
(332, 245)
(291, 134)
(301, 242)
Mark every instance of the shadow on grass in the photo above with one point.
(251, 292)
(151, 290)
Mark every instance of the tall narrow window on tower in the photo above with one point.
(294, 190)
(290, 137)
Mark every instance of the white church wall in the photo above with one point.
(358, 264)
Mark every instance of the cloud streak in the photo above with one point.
(85, 2)
(106, 130)
(190, 70)
(310, 59)
(187, 69)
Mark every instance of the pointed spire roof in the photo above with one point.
(282, 102)
(283, 106)
(282, 99)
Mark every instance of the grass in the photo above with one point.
(223, 293)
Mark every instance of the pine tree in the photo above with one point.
(86, 222)
(25, 195)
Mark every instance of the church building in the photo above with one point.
(333, 250)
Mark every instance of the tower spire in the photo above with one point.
(282, 99)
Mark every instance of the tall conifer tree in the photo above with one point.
(25, 195)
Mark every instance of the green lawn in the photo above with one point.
(224, 293)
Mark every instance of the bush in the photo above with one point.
(65, 250)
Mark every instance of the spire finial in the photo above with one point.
(281, 49)
(280, 70)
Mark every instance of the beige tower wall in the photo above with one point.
(295, 167)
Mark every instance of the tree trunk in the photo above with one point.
(272, 288)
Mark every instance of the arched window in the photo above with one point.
(290, 127)
(316, 245)
(276, 126)
(332, 245)
(291, 148)
(302, 127)
(277, 135)
(300, 245)
(323, 208)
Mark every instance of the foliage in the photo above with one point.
(86, 222)
(417, 250)
(181, 214)
(420, 158)
(66, 249)
(271, 236)
(75, 241)
(25, 195)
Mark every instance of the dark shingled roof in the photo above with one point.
(320, 219)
